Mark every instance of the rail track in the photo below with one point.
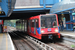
(69, 39)
(65, 45)
(21, 44)
(28, 43)
(68, 48)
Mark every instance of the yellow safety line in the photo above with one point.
(1, 37)
(6, 43)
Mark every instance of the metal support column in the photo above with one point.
(44, 3)
(71, 18)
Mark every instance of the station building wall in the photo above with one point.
(35, 2)
(27, 3)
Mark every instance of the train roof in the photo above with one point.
(33, 17)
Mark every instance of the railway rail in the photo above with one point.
(65, 45)
(50, 46)
(29, 43)
(43, 46)
(21, 44)
(69, 39)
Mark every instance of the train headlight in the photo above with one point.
(56, 30)
(42, 31)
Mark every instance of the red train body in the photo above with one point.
(42, 26)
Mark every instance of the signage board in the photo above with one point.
(73, 13)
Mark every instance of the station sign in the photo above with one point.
(73, 13)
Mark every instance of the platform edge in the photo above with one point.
(13, 48)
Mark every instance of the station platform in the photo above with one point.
(68, 33)
(6, 42)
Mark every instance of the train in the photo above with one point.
(43, 26)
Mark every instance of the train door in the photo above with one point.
(34, 26)
(25, 26)
(21, 25)
(37, 25)
(30, 26)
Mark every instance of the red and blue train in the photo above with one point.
(41, 26)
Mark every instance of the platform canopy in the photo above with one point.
(65, 5)
(11, 4)
(6, 7)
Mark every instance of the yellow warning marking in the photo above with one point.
(1, 37)
(6, 43)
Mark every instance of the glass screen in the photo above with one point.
(48, 21)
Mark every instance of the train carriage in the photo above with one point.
(41, 26)
(44, 26)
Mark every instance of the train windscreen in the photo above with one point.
(48, 21)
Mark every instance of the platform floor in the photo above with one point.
(68, 33)
(6, 42)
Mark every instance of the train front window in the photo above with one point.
(48, 21)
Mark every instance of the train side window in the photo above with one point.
(23, 25)
(34, 26)
(20, 25)
(37, 23)
(29, 25)
(32, 23)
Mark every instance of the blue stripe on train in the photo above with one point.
(58, 29)
(38, 30)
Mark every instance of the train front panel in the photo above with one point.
(49, 26)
